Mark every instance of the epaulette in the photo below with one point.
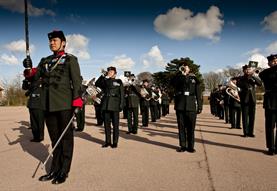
(70, 55)
(119, 81)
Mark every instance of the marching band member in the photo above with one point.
(112, 104)
(247, 84)
(60, 73)
(269, 78)
(187, 105)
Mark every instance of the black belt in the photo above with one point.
(111, 95)
(185, 93)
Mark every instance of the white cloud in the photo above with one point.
(261, 59)
(122, 62)
(258, 57)
(272, 48)
(18, 46)
(153, 57)
(8, 59)
(253, 51)
(18, 6)
(270, 22)
(181, 24)
(77, 44)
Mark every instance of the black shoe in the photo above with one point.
(114, 145)
(128, 132)
(59, 179)
(135, 132)
(48, 176)
(79, 130)
(231, 127)
(106, 145)
(36, 140)
(244, 135)
(251, 135)
(181, 149)
(238, 127)
(191, 150)
(270, 152)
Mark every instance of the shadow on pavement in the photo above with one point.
(145, 140)
(222, 133)
(88, 137)
(35, 149)
(229, 146)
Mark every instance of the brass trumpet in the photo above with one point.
(182, 69)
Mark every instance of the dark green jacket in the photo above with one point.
(247, 87)
(165, 99)
(36, 95)
(187, 93)
(269, 78)
(61, 84)
(132, 97)
(113, 98)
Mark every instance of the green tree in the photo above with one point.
(163, 79)
(14, 95)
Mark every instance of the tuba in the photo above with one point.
(233, 91)
(95, 92)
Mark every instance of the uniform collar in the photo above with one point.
(60, 53)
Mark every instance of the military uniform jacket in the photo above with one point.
(132, 97)
(145, 101)
(247, 87)
(269, 77)
(187, 93)
(36, 96)
(61, 81)
(154, 98)
(165, 99)
(113, 98)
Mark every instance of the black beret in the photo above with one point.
(272, 57)
(245, 67)
(111, 68)
(145, 80)
(56, 34)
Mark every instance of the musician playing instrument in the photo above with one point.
(144, 102)
(234, 102)
(154, 104)
(132, 97)
(247, 84)
(112, 104)
(187, 105)
(269, 78)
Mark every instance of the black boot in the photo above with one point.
(60, 178)
(48, 176)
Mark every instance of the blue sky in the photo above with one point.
(140, 35)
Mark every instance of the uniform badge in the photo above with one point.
(116, 84)
(193, 81)
(62, 61)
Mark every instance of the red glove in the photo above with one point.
(78, 102)
(28, 73)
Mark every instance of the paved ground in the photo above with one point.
(148, 161)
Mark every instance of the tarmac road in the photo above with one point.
(147, 161)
